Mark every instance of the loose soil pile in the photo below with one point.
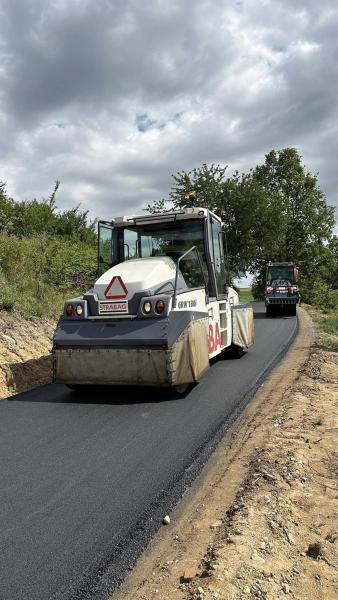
(25, 359)
(262, 521)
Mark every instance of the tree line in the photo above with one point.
(27, 218)
(275, 212)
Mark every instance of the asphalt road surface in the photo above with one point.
(85, 481)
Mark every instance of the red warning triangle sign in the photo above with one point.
(115, 289)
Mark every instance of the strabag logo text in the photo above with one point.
(113, 307)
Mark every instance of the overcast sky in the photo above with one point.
(112, 96)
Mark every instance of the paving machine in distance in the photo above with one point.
(281, 291)
(160, 309)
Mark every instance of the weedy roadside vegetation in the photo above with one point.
(327, 324)
(38, 272)
(45, 255)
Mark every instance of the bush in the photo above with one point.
(41, 217)
(7, 301)
(333, 300)
(318, 293)
(38, 273)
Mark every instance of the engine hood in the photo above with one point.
(137, 275)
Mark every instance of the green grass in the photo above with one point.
(331, 344)
(329, 324)
(48, 301)
(245, 295)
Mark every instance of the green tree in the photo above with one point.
(245, 208)
(305, 224)
(41, 217)
(332, 275)
(275, 212)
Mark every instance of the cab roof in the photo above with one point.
(280, 264)
(195, 212)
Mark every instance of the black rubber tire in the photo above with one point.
(271, 311)
(292, 310)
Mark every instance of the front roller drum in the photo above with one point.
(183, 363)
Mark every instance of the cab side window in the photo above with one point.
(217, 254)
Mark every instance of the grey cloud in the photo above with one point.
(112, 97)
(91, 54)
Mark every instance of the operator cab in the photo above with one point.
(281, 272)
(193, 238)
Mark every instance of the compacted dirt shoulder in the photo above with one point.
(261, 522)
(25, 359)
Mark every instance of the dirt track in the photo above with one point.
(261, 521)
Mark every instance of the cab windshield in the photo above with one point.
(168, 239)
(280, 273)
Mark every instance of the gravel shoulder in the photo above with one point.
(261, 519)
(25, 359)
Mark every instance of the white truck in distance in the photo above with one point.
(160, 309)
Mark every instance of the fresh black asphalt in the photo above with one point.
(85, 481)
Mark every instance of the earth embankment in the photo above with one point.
(25, 359)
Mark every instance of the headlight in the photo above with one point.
(147, 307)
(79, 310)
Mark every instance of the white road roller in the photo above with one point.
(160, 309)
